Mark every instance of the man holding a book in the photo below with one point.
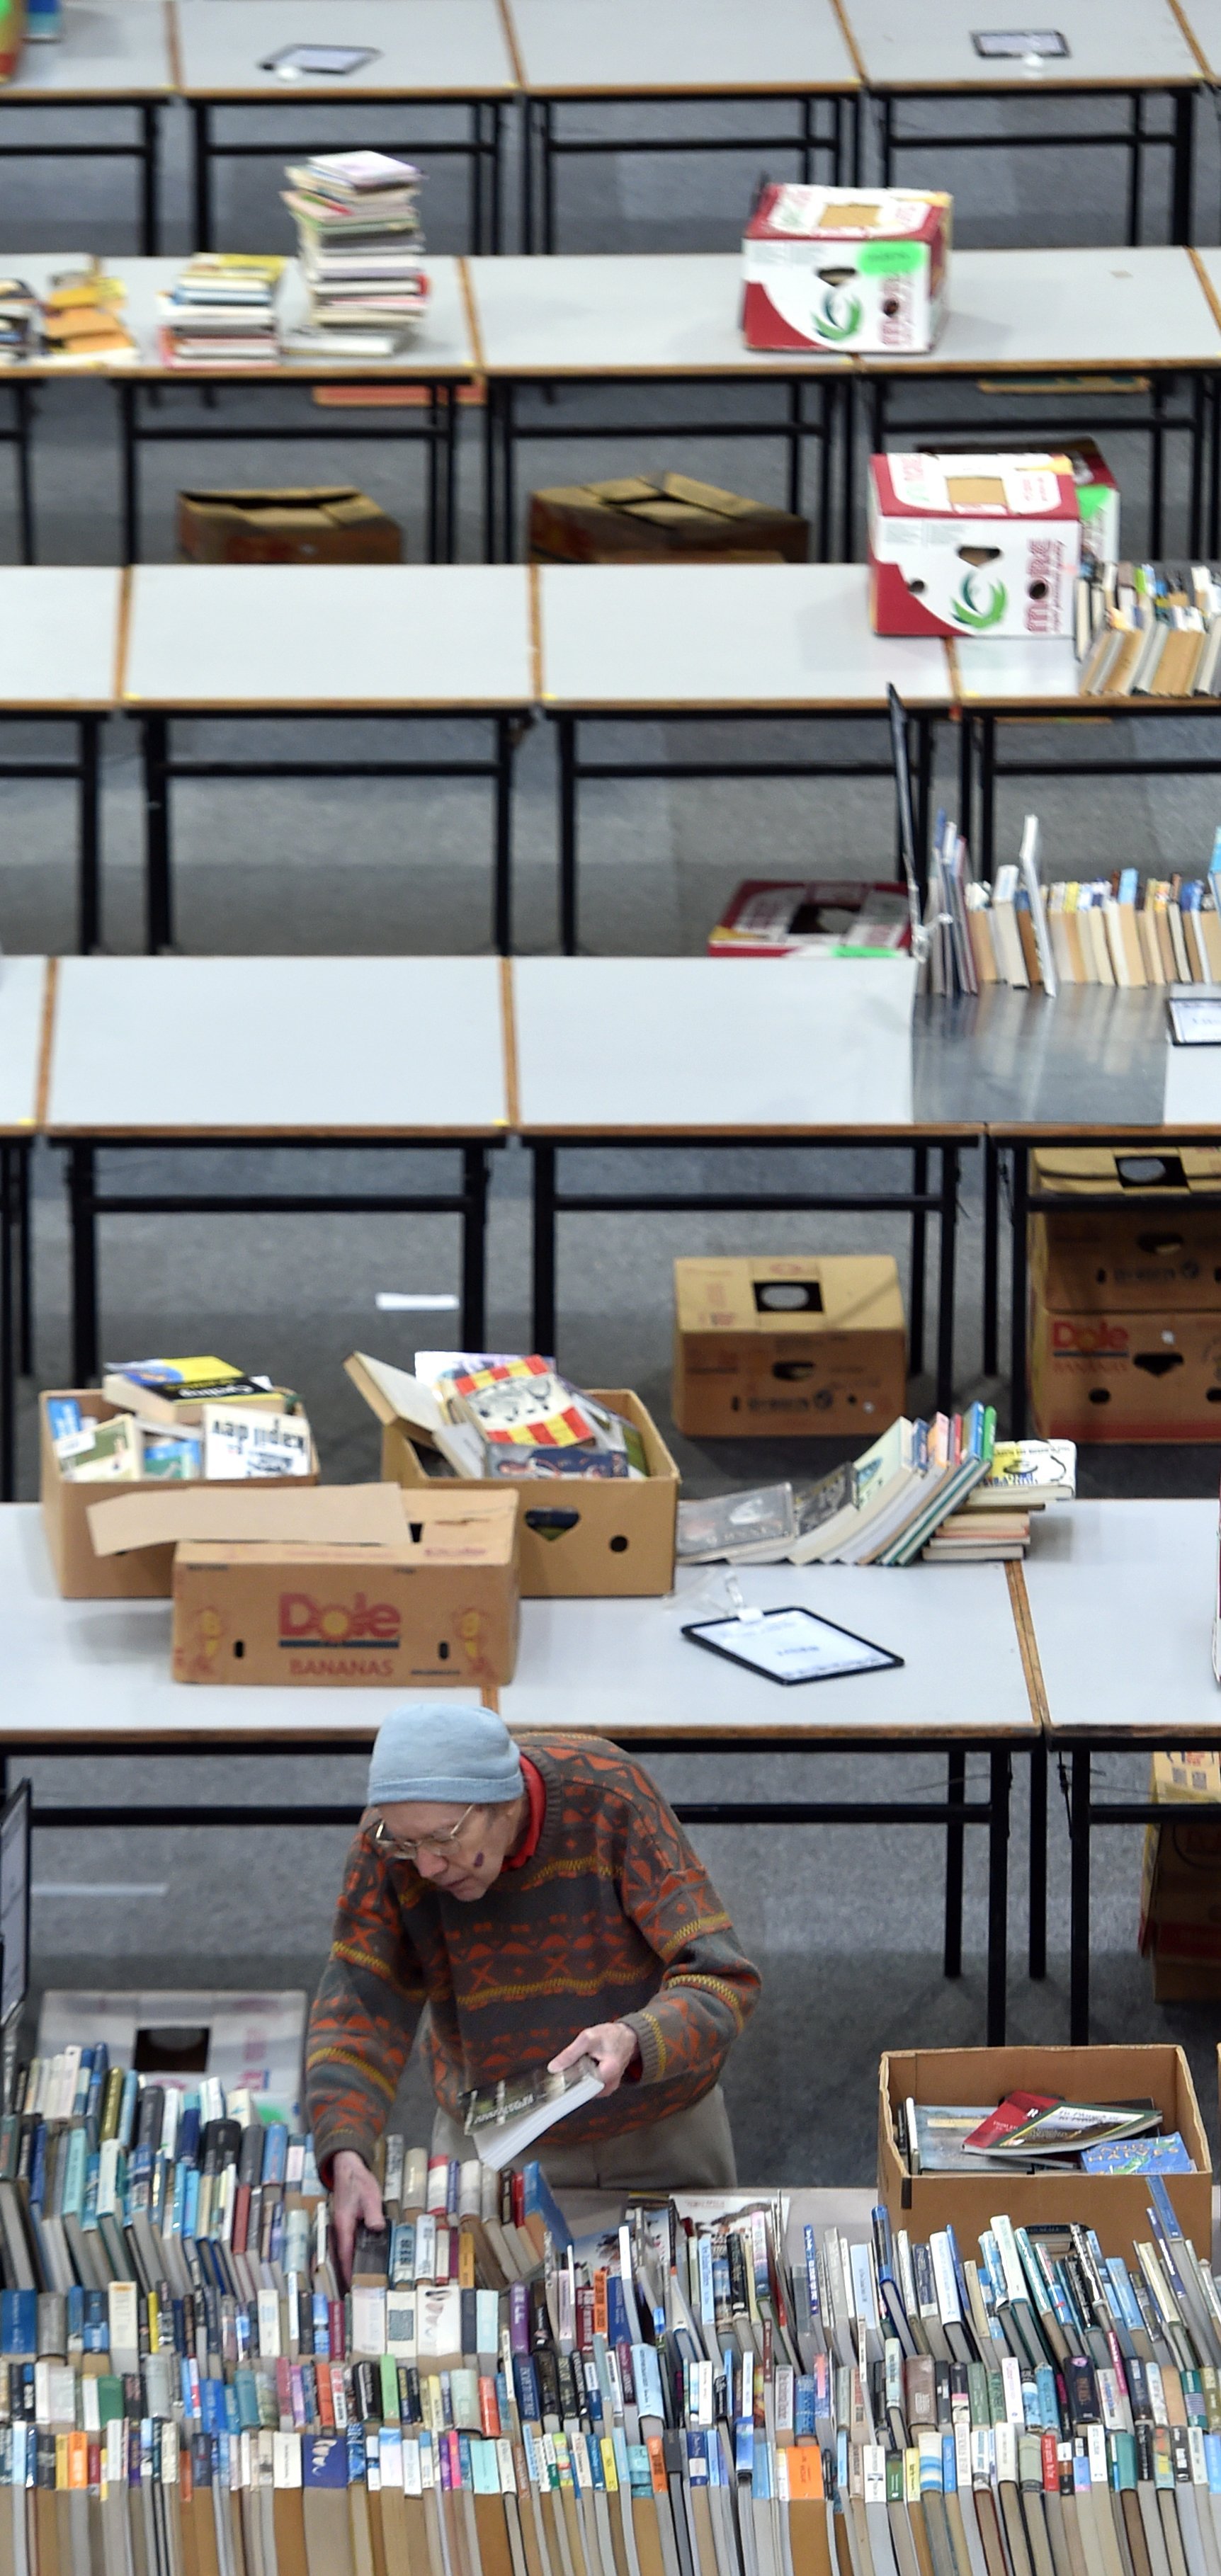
(532, 1911)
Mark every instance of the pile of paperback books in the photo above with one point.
(221, 311)
(945, 1490)
(360, 244)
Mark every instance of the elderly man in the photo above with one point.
(543, 1907)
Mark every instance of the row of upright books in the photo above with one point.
(1120, 929)
(944, 1491)
(1149, 630)
(703, 2388)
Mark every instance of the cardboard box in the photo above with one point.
(354, 1584)
(802, 1343)
(1149, 1375)
(306, 523)
(972, 545)
(1180, 1896)
(580, 1537)
(634, 519)
(144, 1573)
(1096, 487)
(864, 270)
(1115, 2205)
(1162, 1250)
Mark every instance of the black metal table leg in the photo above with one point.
(475, 175)
(542, 1249)
(966, 748)
(150, 215)
(8, 1339)
(547, 173)
(955, 1840)
(1157, 464)
(129, 433)
(201, 119)
(89, 890)
(496, 112)
(1001, 1771)
(987, 798)
(526, 175)
(919, 1252)
(1079, 1922)
(793, 438)
(991, 1252)
(1195, 507)
(84, 1264)
(1018, 1188)
(945, 1289)
(502, 900)
(474, 1244)
(23, 405)
(1038, 1859)
(25, 1265)
(1183, 153)
(158, 894)
(826, 459)
(566, 728)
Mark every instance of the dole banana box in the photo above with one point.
(972, 545)
(859, 270)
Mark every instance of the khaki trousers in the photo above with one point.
(691, 2151)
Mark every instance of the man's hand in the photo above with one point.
(612, 2046)
(355, 2199)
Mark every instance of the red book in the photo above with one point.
(1008, 2115)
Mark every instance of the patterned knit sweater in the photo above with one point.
(613, 1918)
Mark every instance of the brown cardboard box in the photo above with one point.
(1114, 2204)
(1161, 1251)
(1142, 1376)
(354, 1584)
(633, 519)
(309, 523)
(580, 1537)
(1180, 1897)
(144, 1574)
(804, 1343)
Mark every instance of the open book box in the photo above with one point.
(310, 523)
(352, 1584)
(143, 1573)
(1162, 1249)
(634, 519)
(799, 1344)
(1116, 2205)
(580, 1537)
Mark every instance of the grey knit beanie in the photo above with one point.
(440, 1752)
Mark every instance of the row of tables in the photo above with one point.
(1099, 1643)
(587, 645)
(479, 56)
(107, 1057)
(1138, 328)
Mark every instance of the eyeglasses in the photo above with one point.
(440, 1845)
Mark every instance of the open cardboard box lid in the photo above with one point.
(322, 1515)
(394, 1396)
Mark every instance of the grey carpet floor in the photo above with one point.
(846, 1924)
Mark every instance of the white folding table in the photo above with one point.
(23, 1000)
(629, 53)
(1133, 50)
(425, 53)
(251, 640)
(693, 640)
(724, 1052)
(59, 646)
(1122, 1597)
(107, 57)
(667, 319)
(303, 1053)
(625, 1670)
(1126, 325)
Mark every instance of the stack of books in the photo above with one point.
(1041, 2133)
(704, 2389)
(1118, 930)
(945, 1490)
(503, 1414)
(360, 245)
(18, 319)
(221, 312)
(81, 316)
(1149, 630)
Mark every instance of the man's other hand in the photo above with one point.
(355, 2201)
(612, 2046)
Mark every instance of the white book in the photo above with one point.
(238, 1444)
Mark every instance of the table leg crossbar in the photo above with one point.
(436, 427)
(550, 1202)
(1135, 139)
(88, 1201)
(1084, 1813)
(543, 145)
(85, 771)
(142, 148)
(160, 769)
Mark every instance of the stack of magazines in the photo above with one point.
(944, 1490)
(359, 240)
(221, 311)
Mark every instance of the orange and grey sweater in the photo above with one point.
(612, 1918)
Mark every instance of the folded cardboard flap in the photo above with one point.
(791, 1292)
(320, 1515)
(393, 1395)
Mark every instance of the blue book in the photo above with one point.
(324, 2460)
(1139, 2156)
